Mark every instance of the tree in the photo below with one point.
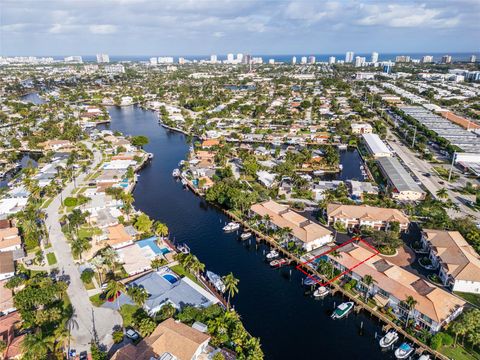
(143, 223)
(138, 294)
(410, 304)
(113, 290)
(80, 245)
(139, 141)
(161, 229)
(117, 336)
(146, 326)
(166, 311)
(87, 275)
(36, 346)
(158, 262)
(97, 353)
(442, 193)
(231, 286)
(368, 281)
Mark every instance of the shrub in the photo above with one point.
(447, 340)
(436, 341)
(87, 276)
(117, 336)
(70, 202)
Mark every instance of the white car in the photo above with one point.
(132, 334)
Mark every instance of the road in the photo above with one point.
(88, 322)
(419, 167)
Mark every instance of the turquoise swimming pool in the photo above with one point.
(152, 244)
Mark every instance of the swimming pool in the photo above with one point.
(170, 278)
(152, 244)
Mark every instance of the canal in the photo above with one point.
(271, 303)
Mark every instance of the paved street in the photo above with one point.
(87, 319)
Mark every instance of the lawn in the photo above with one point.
(473, 298)
(51, 258)
(89, 286)
(180, 270)
(128, 311)
(459, 353)
(97, 300)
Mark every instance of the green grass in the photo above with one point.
(97, 300)
(180, 270)
(51, 258)
(128, 311)
(459, 353)
(472, 298)
(89, 286)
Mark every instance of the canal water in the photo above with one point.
(271, 303)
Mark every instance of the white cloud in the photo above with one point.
(103, 29)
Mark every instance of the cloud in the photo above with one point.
(103, 29)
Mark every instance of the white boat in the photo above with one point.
(150, 155)
(272, 255)
(184, 182)
(318, 172)
(321, 292)
(342, 310)
(216, 281)
(181, 162)
(176, 173)
(404, 351)
(246, 235)
(278, 263)
(389, 339)
(342, 146)
(231, 226)
(183, 248)
(340, 166)
(424, 357)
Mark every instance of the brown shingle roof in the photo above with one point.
(6, 262)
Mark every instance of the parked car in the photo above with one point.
(132, 334)
(83, 355)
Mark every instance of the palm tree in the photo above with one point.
(36, 346)
(231, 286)
(128, 200)
(158, 262)
(80, 245)
(138, 294)
(410, 303)
(458, 328)
(160, 229)
(336, 255)
(368, 281)
(113, 290)
(442, 193)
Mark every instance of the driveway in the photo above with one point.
(88, 321)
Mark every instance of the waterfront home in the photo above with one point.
(110, 176)
(376, 146)
(11, 206)
(9, 239)
(403, 186)
(321, 187)
(458, 263)
(266, 179)
(56, 145)
(118, 236)
(6, 299)
(392, 285)
(204, 159)
(170, 340)
(209, 143)
(135, 259)
(7, 265)
(9, 325)
(359, 188)
(304, 232)
(364, 215)
(361, 128)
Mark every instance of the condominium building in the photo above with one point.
(374, 57)
(331, 60)
(427, 59)
(103, 58)
(402, 59)
(446, 59)
(349, 56)
(360, 61)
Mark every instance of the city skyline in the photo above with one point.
(137, 27)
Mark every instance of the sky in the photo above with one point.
(200, 27)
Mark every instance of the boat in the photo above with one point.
(246, 235)
(278, 263)
(342, 310)
(311, 280)
(184, 182)
(340, 167)
(150, 155)
(183, 248)
(389, 339)
(318, 172)
(176, 173)
(424, 357)
(342, 146)
(231, 226)
(216, 281)
(181, 163)
(321, 292)
(272, 254)
(404, 351)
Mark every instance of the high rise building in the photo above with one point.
(239, 57)
(165, 60)
(402, 59)
(331, 60)
(213, 59)
(427, 59)
(230, 58)
(349, 56)
(387, 69)
(374, 57)
(103, 58)
(153, 61)
(311, 59)
(247, 59)
(73, 59)
(473, 58)
(360, 61)
(294, 60)
(303, 60)
(446, 59)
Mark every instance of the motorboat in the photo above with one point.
(342, 147)
(389, 339)
(318, 172)
(246, 235)
(181, 163)
(321, 292)
(340, 167)
(272, 254)
(176, 173)
(231, 226)
(183, 248)
(278, 263)
(404, 351)
(184, 182)
(424, 357)
(311, 280)
(342, 310)
(216, 281)
(150, 155)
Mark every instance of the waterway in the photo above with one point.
(271, 303)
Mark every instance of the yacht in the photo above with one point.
(389, 339)
(184, 182)
(278, 263)
(404, 351)
(176, 173)
(231, 226)
(321, 292)
(246, 235)
(342, 310)
(424, 357)
(183, 248)
(318, 172)
(216, 281)
(150, 155)
(272, 254)
(311, 280)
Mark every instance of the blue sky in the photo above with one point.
(182, 27)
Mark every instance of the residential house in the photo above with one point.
(170, 340)
(209, 143)
(361, 128)
(8, 328)
(9, 239)
(118, 236)
(364, 215)
(458, 263)
(266, 179)
(6, 299)
(56, 145)
(7, 265)
(359, 188)
(304, 232)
